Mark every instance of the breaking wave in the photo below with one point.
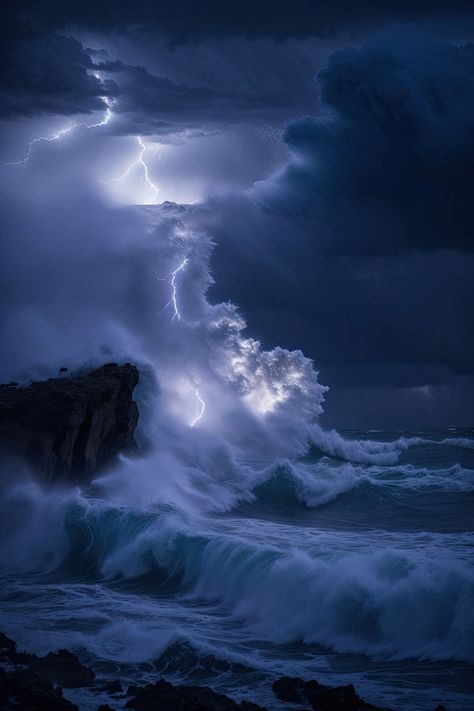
(379, 597)
(227, 425)
(366, 451)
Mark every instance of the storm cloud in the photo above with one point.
(331, 169)
(48, 74)
(185, 20)
(361, 249)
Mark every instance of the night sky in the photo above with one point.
(326, 148)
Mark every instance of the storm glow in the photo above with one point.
(57, 136)
(139, 162)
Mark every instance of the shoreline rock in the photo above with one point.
(67, 429)
(27, 683)
(64, 669)
(319, 696)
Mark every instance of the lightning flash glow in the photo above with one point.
(171, 280)
(57, 136)
(200, 408)
(138, 162)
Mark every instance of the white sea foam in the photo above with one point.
(391, 595)
(150, 520)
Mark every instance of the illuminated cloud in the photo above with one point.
(140, 163)
(59, 134)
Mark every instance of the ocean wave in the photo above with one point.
(361, 451)
(403, 601)
(396, 603)
(367, 451)
(409, 477)
(286, 484)
(464, 442)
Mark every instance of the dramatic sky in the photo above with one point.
(327, 148)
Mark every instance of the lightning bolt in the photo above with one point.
(174, 289)
(138, 162)
(200, 403)
(171, 280)
(57, 136)
(200, 408)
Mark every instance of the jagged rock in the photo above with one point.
(63, 668)
(68, 428)
(32, 689)
(112, 687)
(9, 653)
(27, 690)
(320, 697)
(163, 696)
(7, 646)
(183, 658)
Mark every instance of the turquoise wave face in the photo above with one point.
(311, 564)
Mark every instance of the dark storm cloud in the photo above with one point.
(361, 251)
(53, 74)
(45, 72)
(256, 82)
(243, 91)
(183, 20)
(155, 104)
(48, 74)
(390, 166)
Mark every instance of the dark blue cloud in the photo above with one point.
(184, 20)
(48, 74)
(360, 251)
(388, 167)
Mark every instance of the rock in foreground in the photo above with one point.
(163, 696)
(27, 683)
(320, 697)
(67, 429)
(25, 690)
(64, 669)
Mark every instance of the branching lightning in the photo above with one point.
(57, 136)
(138, 162)
(171, 280)
(200, 408)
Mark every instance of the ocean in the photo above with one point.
(351, 564)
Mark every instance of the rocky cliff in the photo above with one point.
(69, 428)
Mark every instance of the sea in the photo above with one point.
(332, 566)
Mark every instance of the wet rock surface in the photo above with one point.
(320, 697)
(163, 696)
(181, 657)
(31, 683)
(22, 688)
(67, 429)
(25, 690)
(63, 668)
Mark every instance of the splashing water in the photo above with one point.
(245, 533)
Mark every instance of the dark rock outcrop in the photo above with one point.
(27, 684)
(22, 687)
(183, 658)
(25, 690)
(163, 696)
(10, 654)
(63, 668)
(112, 687)
(320, 697)
(69, 428)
